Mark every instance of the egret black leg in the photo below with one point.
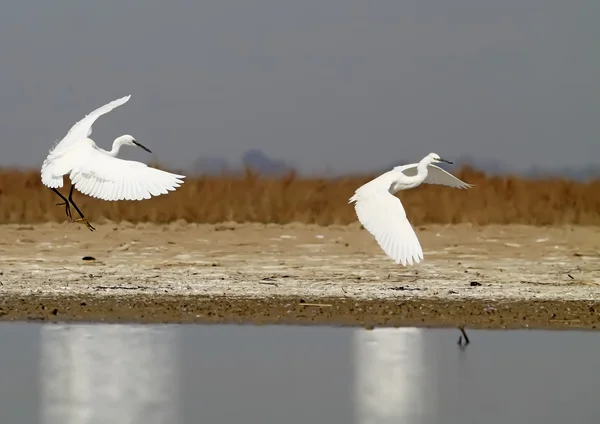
(66, 203)
(82, 219)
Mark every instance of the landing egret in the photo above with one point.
(382, 213)
(99, 173)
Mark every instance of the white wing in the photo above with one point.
(382, 214)
(97, 174)
(83, 128)
(435, 175)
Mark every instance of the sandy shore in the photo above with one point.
(493, 276)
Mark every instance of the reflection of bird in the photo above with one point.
(99, 173)
(108, 374)
(382, 213)
(392, 383)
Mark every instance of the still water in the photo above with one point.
(149, 374)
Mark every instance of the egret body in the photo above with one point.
(99, 173)
(382, 213)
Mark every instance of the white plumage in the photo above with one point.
(99, 173)
(382, 213)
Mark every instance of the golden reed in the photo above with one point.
(252, 198)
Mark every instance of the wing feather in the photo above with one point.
(83, 128)
(58, 161)
(106, 177)
(382, 215)
(435, 175)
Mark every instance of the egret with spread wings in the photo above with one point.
(382, 213)
(99, 173)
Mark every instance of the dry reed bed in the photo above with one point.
(252, 198)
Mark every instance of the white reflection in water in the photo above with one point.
(108, 374)
(390, 376)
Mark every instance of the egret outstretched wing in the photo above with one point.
(382, 215)
(98, 174)
(83, 128)
(435, 175)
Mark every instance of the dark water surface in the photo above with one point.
(63, 374)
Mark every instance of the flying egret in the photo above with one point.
(382, 213)
(99, 173)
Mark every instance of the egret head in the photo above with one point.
(435, 158)
(128, 140)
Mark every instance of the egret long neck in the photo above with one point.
(115, 148)
(422, 172)
(407, 182)
(417, 179)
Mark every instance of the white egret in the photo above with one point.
(382, 213)
(99, 173)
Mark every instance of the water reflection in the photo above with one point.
(108, 374)
(295, 375)
(390, 376)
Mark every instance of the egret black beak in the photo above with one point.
(446, 161)
(143, 147)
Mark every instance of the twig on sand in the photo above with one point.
(460, 338)
(119, 287)
(267, 283)
(325, 305)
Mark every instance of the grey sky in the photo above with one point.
(350, 84)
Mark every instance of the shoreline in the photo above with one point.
(509, 276)
(168, 309)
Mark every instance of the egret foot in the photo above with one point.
(66, 203)
(85, 221)
(81, 217)
(67, 208)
